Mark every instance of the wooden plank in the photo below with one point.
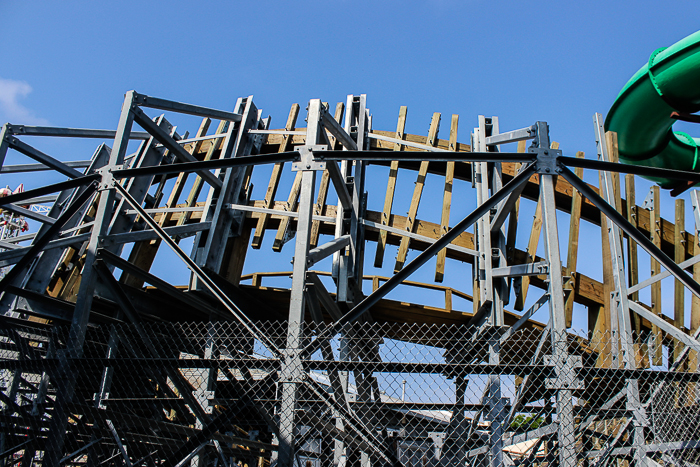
(532, 248)
(292, 201)
(447, 201)
(319, 207)
(234, 256)
(182, 178)
(198, 182)
(564, 190)
(275, 178)
(572, 254)
(641, 349)
(390, 188)
(417, 192)
(613, 152)
(633, 276)
(656, 305)
(679, 289)
(144, 253)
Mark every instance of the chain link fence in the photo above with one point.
(210, 394)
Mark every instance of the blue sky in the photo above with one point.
(69, 63)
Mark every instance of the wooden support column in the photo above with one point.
(144, 253)
(320, 205)
(513, 218)
(447, 200)
(695, 305)
(655, 234)
(641, 348)
(572, 256)
(275, 178)
(198, 182)
(390, 188)
(679, 290)
(604, 322)
(417, 192)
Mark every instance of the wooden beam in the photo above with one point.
(604, 323)
(656, 305)
(513, 218)
(198, 182)
(417, 193)
(390, 188)
(292, 201)
(447, 201)
(679, 289)
(695, 303)
(275, 178)
(572, 255)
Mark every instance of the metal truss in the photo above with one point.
(307, 388)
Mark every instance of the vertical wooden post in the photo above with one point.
(655, 233)
(325, 181)
(447, 200)
(198, 182)
(417, 193)
(513, 218)
(572, 256)
(641, 348)
(679, 241)
(390, 187)
(604, 332)
(292, 202)
(275, 179)
(694, 317)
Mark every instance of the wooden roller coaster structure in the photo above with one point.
(115, 212)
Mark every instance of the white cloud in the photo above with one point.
(11, 92)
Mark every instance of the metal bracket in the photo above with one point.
(529, 269)
(565, 369)
(649, 200)
(546, 159)
(307, 160)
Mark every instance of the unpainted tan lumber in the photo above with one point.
(608, 279)
(695, 305)
(655, 231)
(275, 178)
(447, 200)
(198, 182)
(679, 289)
(182, 177)
(144, 253)
(572, 253)
(390, 188)
(417, 193)
(234, 256)
(632, 256)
